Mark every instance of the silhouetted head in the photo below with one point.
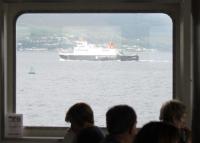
(157, 132)
(120, 119)
(173, 112)
(80, 114)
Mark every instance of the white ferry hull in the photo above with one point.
(100, 57)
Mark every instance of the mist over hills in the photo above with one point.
(144, 30)
(94, 19)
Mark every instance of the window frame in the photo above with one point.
(14, 9)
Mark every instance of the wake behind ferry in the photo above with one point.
(91, 52)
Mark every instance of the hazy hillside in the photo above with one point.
(142, 30)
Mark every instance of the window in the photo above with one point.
(103, 59)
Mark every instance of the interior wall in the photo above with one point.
(185, 57)
(1, 72)
(196, 98)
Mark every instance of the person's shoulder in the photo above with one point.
(95, 128)
(109, 139)
(90, 135)
(92, 130)
(69, 137)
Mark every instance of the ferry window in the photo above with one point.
(103, 59)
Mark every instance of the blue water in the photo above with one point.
(44, 97)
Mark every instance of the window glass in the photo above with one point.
(102, 59)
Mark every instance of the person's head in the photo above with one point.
(79, 115)
(158, 132)
(121, 119)
(173, 112)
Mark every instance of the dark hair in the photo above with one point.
(157, 132)
(90, 135)
(79, 114)
(171, 110)
(120, 119)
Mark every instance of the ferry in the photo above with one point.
(91, 52)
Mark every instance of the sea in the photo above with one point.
(47, 86)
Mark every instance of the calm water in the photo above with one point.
(44, 97)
